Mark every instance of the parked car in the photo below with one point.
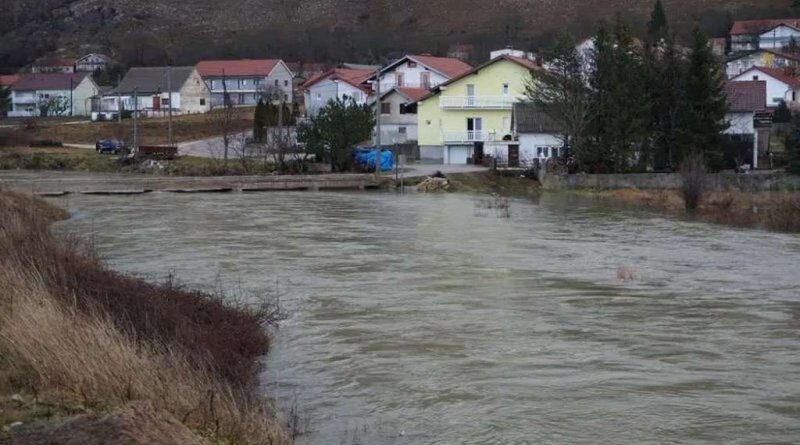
(114, 146)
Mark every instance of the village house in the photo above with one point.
(53, 64)
(53, 94)
(766, 58)
(745, 100)
(781, 87)
(471, 115)
(540, 137)
(399, 114)
(338, 83)
(92, 62)
(157, 89)
(405, 81)
(753, 35)
(246, 81)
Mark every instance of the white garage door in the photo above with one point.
(459, 154)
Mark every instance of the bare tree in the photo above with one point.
(224, 120)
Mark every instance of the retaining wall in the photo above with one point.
(753, 182)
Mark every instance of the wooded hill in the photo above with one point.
(146, 32)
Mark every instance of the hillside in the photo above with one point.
(156, 31)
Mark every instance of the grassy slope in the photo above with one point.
(78, 337)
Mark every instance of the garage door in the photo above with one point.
(459, 154)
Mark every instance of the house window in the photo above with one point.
(401, 130)
(319, 96)
(505, 89)
(286, 98)
(412, 64)
(386, 108)
(165, 101)
(425, 79)
(242, 83)
(286, 83)
(755, 77)
(276, 83)
(402, 108)
(398, 79)
(202, 102)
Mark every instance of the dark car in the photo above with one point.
(113, 146)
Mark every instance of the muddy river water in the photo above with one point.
(428, 319)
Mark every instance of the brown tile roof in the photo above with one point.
(48, 81)
(8, 79)
(236, 68)
(448, 66)
(778, 74)
(746, 95)
(760, 26)
(412, 94)
(356, 78)
(531, 119)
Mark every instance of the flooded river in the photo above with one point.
(418, 319)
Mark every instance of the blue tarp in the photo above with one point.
(366, 158)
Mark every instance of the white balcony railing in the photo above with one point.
(483, 102)
(464, 136)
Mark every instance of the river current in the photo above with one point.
(430, 319)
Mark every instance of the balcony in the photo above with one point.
(477, 102)
(464, 136)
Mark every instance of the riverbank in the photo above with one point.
(486, 182)
(775, 211)
(77, 338)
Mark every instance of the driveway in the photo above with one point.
(211, 147)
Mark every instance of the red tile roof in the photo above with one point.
(412, 94)
(747, 95)
(778, 74)
(8, 79)
(48, 81)
(448, 66)
(243, 67)
(760, 26)
(356, 78)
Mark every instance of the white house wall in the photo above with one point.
(740, 123)
(412, 77)
(530, 143)
(326, 90)
(778, 38)
(777, 90)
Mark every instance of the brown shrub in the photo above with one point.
(693, 174)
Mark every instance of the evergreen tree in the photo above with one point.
(793, 146)
(620, 101)
(657, 27)
(703, 119)
(259, 121)
(666, 70)
(5, 100)
(336, 129)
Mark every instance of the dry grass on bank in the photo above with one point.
(187, 127)
(75, 334)
(778, 211)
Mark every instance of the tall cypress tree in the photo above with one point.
(657, 27)
(706, 105)
(666, 73)
(619, 86)
(259, 121)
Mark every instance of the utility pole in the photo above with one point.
(71, 108)
(119, 99)
(135, 118)
(377, 124)
(169, 94)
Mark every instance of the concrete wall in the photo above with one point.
(194, 95)
(755, 182)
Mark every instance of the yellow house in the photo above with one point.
(471, 115)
